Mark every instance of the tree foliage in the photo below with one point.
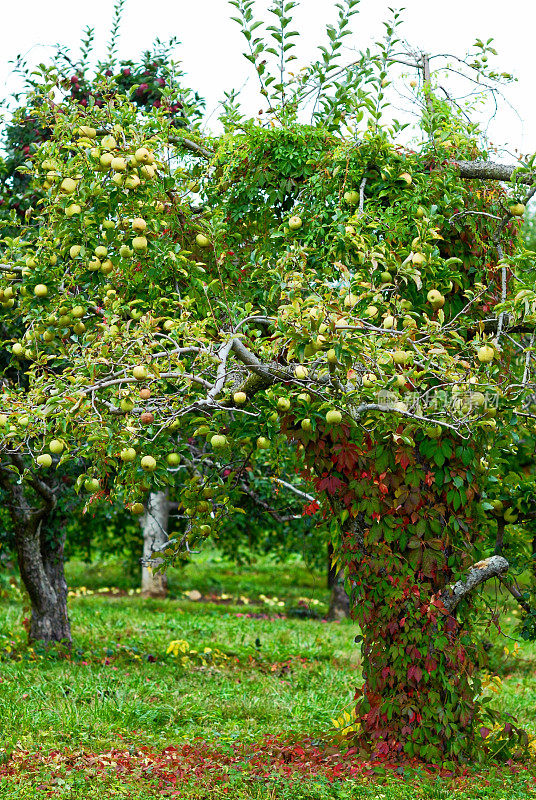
(308, 297)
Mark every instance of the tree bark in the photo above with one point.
(154, 525)
(339, 602)
(41, 566)
(489, 170)
(39, 554)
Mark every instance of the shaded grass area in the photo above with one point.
(238, 672)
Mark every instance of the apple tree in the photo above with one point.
(304, 284)
(42, 506)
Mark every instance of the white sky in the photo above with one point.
(211, 49)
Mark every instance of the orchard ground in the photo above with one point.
(226, 689)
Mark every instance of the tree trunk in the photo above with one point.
(154, 525)
(39, 553)
(41, 566)
(339, 602)
(410, 521)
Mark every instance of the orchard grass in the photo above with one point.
(273, 667)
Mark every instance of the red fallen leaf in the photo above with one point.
(485, 732)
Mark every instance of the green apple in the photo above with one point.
(89, 133)
(140, 373)
(283, 404)
(306, 424)
(295, 223)
(105, 160)
(334, 417)
(139, 243)
(351, 197)
(435, 298)
(148, 463)
(369, 379)
(202, 240)
(240, 398)
(350, 300)
(126, 404)
(41, 290)
(517, 209)
(218, 441)
(128, 454)
(44, 460)
(263, 443)
(56, 447)
(92, 485)
(400, 356)
(173, 459)
(301, 372)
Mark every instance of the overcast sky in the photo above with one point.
(212, 45)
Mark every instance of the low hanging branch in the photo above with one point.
(491, 567)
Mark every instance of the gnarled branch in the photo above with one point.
(491, 567)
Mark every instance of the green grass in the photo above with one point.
(264, 675)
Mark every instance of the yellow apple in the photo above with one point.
(139, 225)
(485, 354)
(68, 185)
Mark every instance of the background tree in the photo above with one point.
(320, 290)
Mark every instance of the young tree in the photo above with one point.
(316, 289)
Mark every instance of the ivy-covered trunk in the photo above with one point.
(410, 531)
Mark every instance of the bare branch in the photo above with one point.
(191, 145)
(491, 567)
(490, 171)
(515, 592)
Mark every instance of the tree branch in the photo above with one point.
(191, 145)
(514, 591)
(489, 170)
(491, 567)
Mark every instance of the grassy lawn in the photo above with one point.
(239, 708)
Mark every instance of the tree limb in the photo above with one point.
(491, 567)
(191, 145)
(489, 170)
(514, 591)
